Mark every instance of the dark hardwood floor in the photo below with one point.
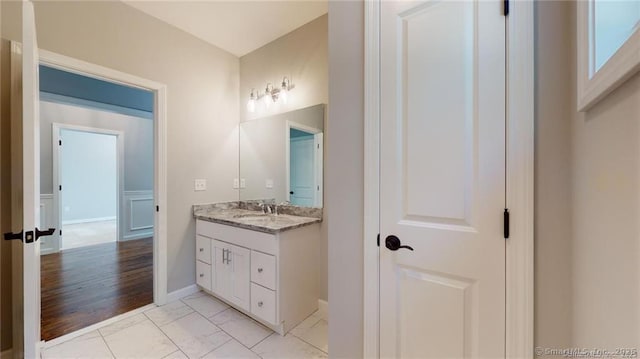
(84, 286)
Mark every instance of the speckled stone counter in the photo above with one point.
(249, 216)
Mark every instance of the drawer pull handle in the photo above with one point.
(259, 270)
(260, 304)
(201, 249)
(201, 275)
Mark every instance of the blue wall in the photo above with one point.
(68, 84)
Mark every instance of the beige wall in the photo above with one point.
(202, 86)
(345, 178)
(554, 107)
(301, 55)
(606, 210)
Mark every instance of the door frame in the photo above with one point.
(520, 179)
(317, 140)
(55, 151)
(159, 90)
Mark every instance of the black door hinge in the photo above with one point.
(157, 208)
(61, 232)
(506, 223)
(505, 7)
(378, 239)
(60, 187)
(59, 142)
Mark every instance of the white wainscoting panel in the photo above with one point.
(47, 220)
(137, 214)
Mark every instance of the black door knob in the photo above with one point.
(393, 243)
(290, 192)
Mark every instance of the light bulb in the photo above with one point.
(284, 90)
(268, 98)
(251, 104)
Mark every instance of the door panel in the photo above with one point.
(240, 272)
(25, 160)
(220, 276)
(442, 179)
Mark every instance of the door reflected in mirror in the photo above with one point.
(281, 158)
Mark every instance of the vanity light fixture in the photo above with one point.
(270, 95)
(251, 104)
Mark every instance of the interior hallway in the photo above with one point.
(84, 286)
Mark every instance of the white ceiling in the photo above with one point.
(238, 27)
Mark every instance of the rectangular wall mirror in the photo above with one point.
(281, 158)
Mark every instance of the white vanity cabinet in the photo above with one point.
(271, 277)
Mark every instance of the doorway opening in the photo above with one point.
(88, 167)
(97, 188)
(304, 164)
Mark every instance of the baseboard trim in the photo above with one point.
(89, 220)
(323, 307)
(134, 236)
(181, 293)
(89, 329)
(6, 354)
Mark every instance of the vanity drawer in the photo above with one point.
(203, 249)
(263, 303)
(263, 269)
(203, 275)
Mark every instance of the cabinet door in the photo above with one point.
(240, 278)
(219, 268)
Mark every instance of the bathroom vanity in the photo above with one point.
(264, 265)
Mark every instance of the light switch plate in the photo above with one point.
(236, 183)
(268, 183)
(200, 185)
(243, 183)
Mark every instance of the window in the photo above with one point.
(608, 45)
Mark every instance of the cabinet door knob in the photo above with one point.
(259, 270)
(260, 304)
(201, 249)
(201, 275)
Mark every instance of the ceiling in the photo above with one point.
(238, 27)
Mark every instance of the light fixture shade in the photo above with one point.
(284, 90)
(251, 104)
(268, 96)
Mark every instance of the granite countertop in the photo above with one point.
(245, 216)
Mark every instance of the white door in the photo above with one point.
(26, 187)
(442, 179)
(302, 171)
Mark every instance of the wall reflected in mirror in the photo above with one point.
(281, 158)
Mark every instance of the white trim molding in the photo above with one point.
(182, 292)
(137, 215)
(371, 307)
(159, 152)
(520, 180)
(595, 84)
(519, 323)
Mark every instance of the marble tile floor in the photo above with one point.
(197, 326)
